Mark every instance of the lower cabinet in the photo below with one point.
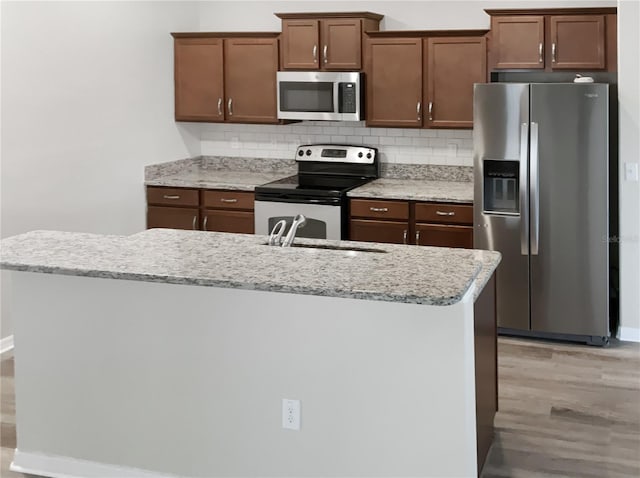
(206, 210)
(410, 222)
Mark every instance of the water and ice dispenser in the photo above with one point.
(501, 187)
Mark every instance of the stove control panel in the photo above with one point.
(336, 153)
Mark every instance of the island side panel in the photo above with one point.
(188, 380)
(486, 365)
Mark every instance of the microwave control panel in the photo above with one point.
(347, 97)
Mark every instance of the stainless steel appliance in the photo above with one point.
(320, 95)
(541, 167)
(318, 191)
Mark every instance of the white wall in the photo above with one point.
(87, 101)
(629, 95)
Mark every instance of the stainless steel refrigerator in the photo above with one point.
(541, 168)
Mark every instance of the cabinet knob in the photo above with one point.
(379, 209)
(553, 52)
(171, 196)
(404, 236)
(418, 109)
(315, 53)
(443, 213)
(228, 200)
(417, 238)
(219, 106)
(194, 223)
(230, 106)
(204, 223)
(430, 110)
(324, 54)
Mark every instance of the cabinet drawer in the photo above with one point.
(172, 217)
(380, 209)
(378, 231)
(444, 236)
(444, 213)
(228, 221)
(227, 199)
(172, 196)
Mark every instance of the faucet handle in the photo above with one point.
(300, 219)
(276, 233)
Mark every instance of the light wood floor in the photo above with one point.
(565, 411)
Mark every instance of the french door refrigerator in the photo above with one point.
(541, 172)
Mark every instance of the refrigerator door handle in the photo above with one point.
(535, 191)
(524, 189)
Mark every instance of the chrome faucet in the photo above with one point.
(275, 238)
(298, 221)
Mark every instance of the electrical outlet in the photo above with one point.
(291, 414)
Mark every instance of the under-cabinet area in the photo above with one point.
(200, 209)
(410, 222)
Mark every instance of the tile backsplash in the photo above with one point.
(396, 145)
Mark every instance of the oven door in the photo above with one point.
(323, 221)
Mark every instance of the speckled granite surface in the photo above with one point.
(430, 172)
(410, 274)
(417, 190)
(214, 179)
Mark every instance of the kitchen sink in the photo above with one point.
(336, 248)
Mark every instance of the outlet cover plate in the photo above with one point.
(290, 414)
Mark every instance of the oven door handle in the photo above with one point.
(295, 199)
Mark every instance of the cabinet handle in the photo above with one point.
(404, 236)
(171, 196)
(228, 200)
(204, 223)
(230, 106)
(379, 209)
(315, 53)
(540, 52)
(553, 52)
(430, 110)
(219, 106)
(193, 223)
(442, 213)
(417, 238)
(324, 54)
(418, 108)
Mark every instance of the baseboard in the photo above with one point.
(6, 344)
(629, 334)
(65, 467)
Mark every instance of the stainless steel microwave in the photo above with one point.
(320, 95)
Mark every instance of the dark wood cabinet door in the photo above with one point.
(453, 65)
(578, 42)
(444, 236)
(228, 221)
(378, 231)
(394, 81)
(517, 41)
(341, 44)
(301, 44)
(198, 79)
(172, 217)
(250, 80)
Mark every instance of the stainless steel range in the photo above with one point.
(319, 191)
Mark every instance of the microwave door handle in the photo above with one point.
(336, 98)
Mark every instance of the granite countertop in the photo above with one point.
(216, 179)
(409, 274)
(416, 190)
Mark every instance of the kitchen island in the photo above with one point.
(168, 353)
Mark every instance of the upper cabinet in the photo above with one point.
(423, 81)
(226, 77)
(553, 39)
(453, 65)
(327, 41)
